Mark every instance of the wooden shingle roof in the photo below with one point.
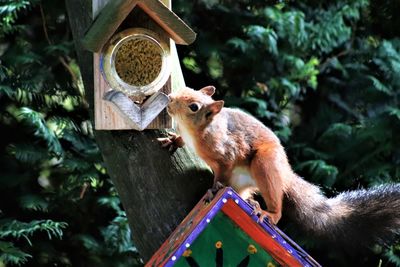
(116, 11)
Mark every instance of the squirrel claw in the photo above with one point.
(209, 196)
(172, 142)
(213, 191)
(272, 217)
(263, 215)
(216, 187)
(256, 207)
(260, 213)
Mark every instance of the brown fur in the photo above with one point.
(248, 156)
(226, 139)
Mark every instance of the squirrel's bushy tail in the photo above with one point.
(360, 217)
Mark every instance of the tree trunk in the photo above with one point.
(157, 189)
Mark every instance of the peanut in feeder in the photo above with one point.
(138, 62)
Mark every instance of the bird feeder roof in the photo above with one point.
(116, 11)
(225, 232)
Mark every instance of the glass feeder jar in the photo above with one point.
(136, 62)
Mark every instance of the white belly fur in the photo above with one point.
(241, 179)
(185, 135)
(187, 139)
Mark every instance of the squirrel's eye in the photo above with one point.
(194, 107)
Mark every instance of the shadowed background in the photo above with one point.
(325, 77)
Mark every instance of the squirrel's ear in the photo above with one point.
(208, 90)
(216, 107)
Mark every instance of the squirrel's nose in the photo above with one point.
(171, 98)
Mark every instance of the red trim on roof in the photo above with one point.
(236, 214)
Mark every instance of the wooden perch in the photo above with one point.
(140, 116)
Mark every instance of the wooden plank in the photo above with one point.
(126, 107)
(177, 79)
(97, 7)
(190, 224)
(259, 235)
(107, 116)
(116, 11)
(152, 107)
(106, 23)
(139, 116)
(178, 30)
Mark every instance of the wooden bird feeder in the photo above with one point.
(132, 62)
(225, 232)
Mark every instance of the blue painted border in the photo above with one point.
(289, 245)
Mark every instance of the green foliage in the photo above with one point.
(17, 229)
(9, 14)
(54, 190)
(11, 254)
(394, 255)
(117, 235)
(323, 75)
(41, 129)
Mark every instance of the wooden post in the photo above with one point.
(157, 189)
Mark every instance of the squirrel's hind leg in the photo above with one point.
(264, 169)
(221, 172)
(249, 194)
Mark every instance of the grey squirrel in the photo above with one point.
(245, 154)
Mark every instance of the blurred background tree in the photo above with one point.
(57, 204)
(325, 76)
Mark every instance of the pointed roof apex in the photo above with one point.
(206, 227)
(116, 11)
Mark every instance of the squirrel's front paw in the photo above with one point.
(172, 142)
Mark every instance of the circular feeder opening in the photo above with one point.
(135, 61)
(138, 61)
